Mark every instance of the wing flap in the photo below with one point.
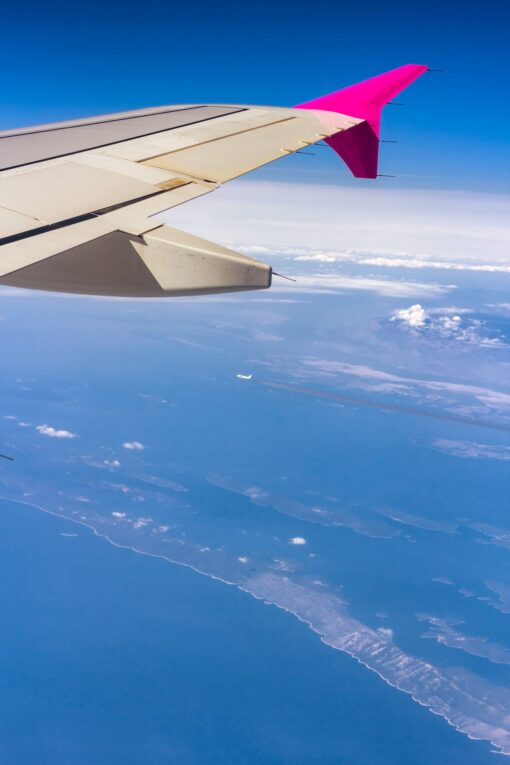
(185, 264)
(68, 190)
(162, 263)
(222, 159)
(31, 246)
(194, 135)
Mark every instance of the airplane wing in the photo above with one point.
(78, 198)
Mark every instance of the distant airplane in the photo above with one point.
(77, 198)
(6, 457)
(244, 377)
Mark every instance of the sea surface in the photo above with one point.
(114, 657)
(265, 528)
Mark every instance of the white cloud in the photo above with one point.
(414, 316)
(151, 397)
(255, 492)
(376, 377)
(112, 463)
(447, 323)
(446, 265)
(386, 632)
(133, 445)
(23, 424)
(141, 522)
(47, 430)
(297, 541)
(386, 287)
(472, 450)
(320, 257)
(242, 559)
(378, 258)
(267, 336)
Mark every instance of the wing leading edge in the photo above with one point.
(77, 199)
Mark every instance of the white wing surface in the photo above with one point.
(78, 199)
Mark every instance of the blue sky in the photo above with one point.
(68, 60)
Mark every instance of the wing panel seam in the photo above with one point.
(35, 131)
(79, 218)
(213, 140)
(114, 143)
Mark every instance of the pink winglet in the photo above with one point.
(359, 146)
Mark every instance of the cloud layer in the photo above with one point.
(436, 226)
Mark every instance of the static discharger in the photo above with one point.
(282, 276)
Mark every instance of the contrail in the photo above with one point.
(383, 406)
